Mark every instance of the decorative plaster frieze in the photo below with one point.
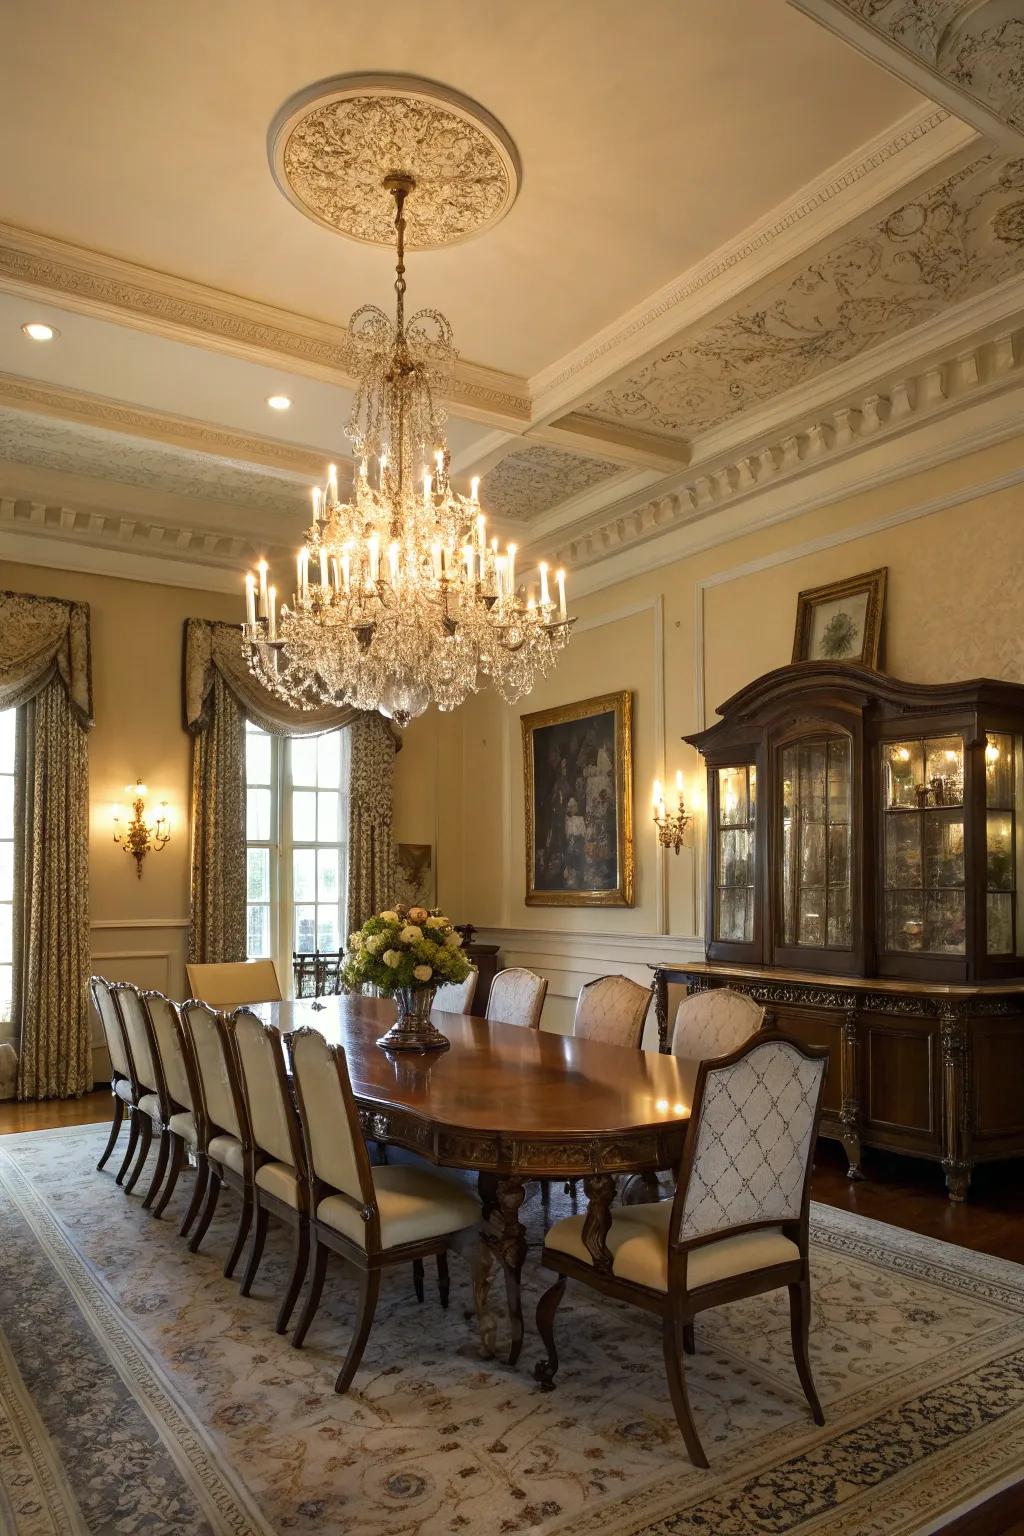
(535, 478)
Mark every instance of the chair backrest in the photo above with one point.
(612, 1009)
(335, 1150)
(113, 1030)
(516, 997)
(128, 1002)
(215, 1068)
(747, 1159)
(715, 1022)
(264, 1081)
(169, 1047)
(235, 983)
(305, 974)
(457, 996)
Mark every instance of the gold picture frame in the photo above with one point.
(842, 621)
(579, 803)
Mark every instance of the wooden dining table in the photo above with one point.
(510, 1104)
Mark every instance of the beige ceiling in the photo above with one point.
(740, 243)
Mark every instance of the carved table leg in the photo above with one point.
(956, 1137)
(661, 1008)
(849, 1114)
(482, 1270)
(511, 1247)
(600, 1192)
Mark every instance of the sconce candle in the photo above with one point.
(140, 836)
(671, 825)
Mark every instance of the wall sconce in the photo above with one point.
(140, 836)
(670, 824)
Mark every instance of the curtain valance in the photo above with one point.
(42, 638)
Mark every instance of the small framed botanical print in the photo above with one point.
(841, 621)
(578, 765)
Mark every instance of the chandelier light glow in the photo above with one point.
(400, 598)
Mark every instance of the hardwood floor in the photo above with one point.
(902, 1191)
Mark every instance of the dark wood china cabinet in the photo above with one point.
(865, 871)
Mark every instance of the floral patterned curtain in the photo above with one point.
(45, 673)
(217, 932)
(371, 860)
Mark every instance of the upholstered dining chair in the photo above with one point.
(737, 1226)
(457, 996)
(713, 1022)
(371, 1218)
(612, 1009)
(280, 1183)
(120, 1074)
(235, 983)
(148, 1109)
(167, 1043)
(516, 997)
(224, 1146)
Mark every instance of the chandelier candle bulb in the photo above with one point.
(468, 555)
(332, 484)
(512, 569)
(316, 503)
(393, 563)
(323, 566)
(427, 482)
(272, 614)
(372, 561)
(250, 600)
(560, 579)
(545, 600)
(335, 574)
(346, 571)
(262, 569)
(474, 496)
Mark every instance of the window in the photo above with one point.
(7, 719)
(296, 844)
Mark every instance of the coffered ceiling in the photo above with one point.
(749, 234)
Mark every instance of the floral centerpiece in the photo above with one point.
(407, 953)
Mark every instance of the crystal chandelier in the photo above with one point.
(400, 599)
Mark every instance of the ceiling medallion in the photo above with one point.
(332, 145)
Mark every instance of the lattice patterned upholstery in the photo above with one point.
(516, 997)
(714, 1023)
(457, 996)
(612, 1009)
(753, 1140)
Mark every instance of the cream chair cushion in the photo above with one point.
(227, 1150)
(150, 1105)
(638, 1243)
(234, 983)
(414, 1204)
(123, 1089)
(280, 1180)
(183, 1124)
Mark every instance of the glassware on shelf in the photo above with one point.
(1002, 765)
(816, 819)
(734, 864)
(924, 871)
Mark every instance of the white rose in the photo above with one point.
(423, 973)
(453, 941)
(392, 957)
(389, 917)
(410, 933)
(437, 922)
(373, 943)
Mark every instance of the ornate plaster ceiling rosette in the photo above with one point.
(331, 145)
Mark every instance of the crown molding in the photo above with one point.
(159, 426)
(93, 283)
(47, 543)
(884, 167)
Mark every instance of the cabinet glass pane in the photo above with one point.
(999, 851)
(734, 856)
(1002, 855)
(944, 770)
(904, 771)
(923, 869)
(816, 816)
(903, 870)
(904, 920)
(999, 920)
(944, 923)
(944, 849)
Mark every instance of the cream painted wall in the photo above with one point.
(139, 927)
(686, 636)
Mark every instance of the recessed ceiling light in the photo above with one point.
(39, 331)
(279, 402)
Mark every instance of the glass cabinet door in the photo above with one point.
(734, 854)
(1002, 768)
(924, 879)
(817, 816)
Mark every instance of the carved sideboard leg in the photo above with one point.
(600, 1192)
(482, 1270)
(849, 1114)
(511, 1248)
(956, 1131)
(661, 1008)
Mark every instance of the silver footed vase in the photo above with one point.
(412, 1030)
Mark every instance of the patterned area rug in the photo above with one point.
(139, 1393)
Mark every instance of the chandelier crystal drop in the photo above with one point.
(400, 599)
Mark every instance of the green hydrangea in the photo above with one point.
(404, 947)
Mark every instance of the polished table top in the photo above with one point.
(498, 1077)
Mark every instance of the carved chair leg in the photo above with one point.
(545, 1192)
(145, 1141)
(369, 1290)
(115, 1130)
(133, 1140)
(417, 1279)
(544, 1370)
(298, 1274)
(569, 1188)
(799, 1328)
(316, 1286)
(444, 1284)
(198, 1191)
(173, 1172)
(689, 1341)
(259, 1237)
(242, 1232)
(161, 1168)
(209, 1206)
(676, 1374)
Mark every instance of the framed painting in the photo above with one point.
(841, 621)
(578, 767)
(414, 874)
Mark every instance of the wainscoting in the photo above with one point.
(149, 951)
